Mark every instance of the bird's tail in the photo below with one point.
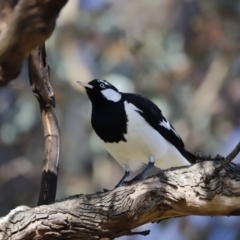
(189, 156)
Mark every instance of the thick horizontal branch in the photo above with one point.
(176, 192)
(24, 25)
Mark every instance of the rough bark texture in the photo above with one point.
(194, 190)
(24, 25)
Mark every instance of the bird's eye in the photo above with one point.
(102, 85)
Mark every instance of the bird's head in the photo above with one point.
(100, 90)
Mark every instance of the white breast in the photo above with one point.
(142, 143)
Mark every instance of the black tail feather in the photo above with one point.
(189, 156)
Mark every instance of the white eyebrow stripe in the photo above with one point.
(102, 81)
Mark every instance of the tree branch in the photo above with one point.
(229, 158)
(24, 25)
(39, 72)
(176, 192)
(223, 161)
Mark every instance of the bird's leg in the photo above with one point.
(141, 175)
(126, 174)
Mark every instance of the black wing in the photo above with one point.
(153, 115)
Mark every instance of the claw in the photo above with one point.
(135, 179)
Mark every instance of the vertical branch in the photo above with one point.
(39, 72)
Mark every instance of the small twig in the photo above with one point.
(39, 79)
(229, 158)
(224, 161)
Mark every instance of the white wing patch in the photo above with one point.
(102, 81)
(167, 125)
(111, 95)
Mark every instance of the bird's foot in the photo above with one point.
(126, 174)
(202, 157)
(135, 179)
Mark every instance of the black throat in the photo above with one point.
(109, 120)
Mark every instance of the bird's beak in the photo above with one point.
(86, 85)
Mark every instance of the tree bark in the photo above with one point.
(191, 190)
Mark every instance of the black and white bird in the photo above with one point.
(133, 130)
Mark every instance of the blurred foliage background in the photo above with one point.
(182, 54)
